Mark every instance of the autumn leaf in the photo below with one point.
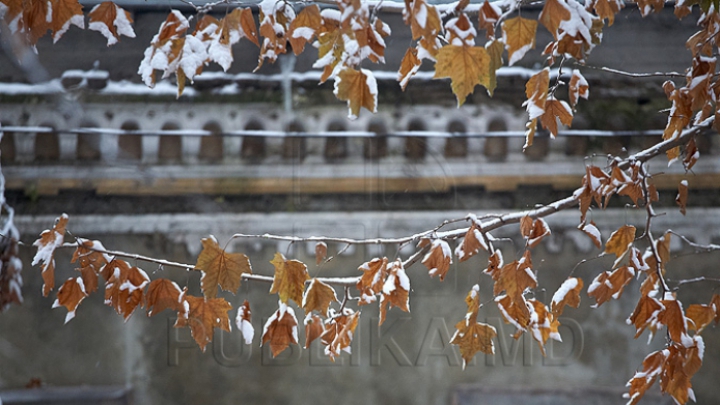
(647, 6)
(320, 252)
(619, 242)
(438, 259)
(536, 91)
(124, 289)
(577, 88)
(518, 37)
(281, 329)
(220, 269)
(395, 290)
(715, 303)
(471, 244)
(691, 155)
(466, 66)
(318, 297)
(46, 245)
(514, 312)
(610, 284)
(495, 50)
(682, 196)
(646, 314)
(543, 325)
(91, 262)
(164, 294)
(567, 294)
(552, 14)
(592, 232)
(645, 378)
(289, 279)
(533, 230)
(275, 19)
(70, 295)
(607, 9)
(673, 317)
(111, 21)
(358, 88)
(409, 65)
(488, 16)
(554, 110)
(339, 332)
(701, 316)
(515, 278)
(203, 315)
(64, 14)
(495, 264)
(472, 336)
(304, 27)
(372, 280)
(313, 328)
(243, 321)
(220, 36)
(424, 19)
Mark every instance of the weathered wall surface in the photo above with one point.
(406, 361)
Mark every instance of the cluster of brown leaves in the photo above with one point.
(31, 20)
(10, 273)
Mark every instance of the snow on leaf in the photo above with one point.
(164, 294)
(275, 18)
(593, 232)
(70, 295)
(567, 294)
(318, 297)
(646, 314)
(715, 303)
(488, 16)
(554, 110)
(609, 285)
(438, 259)
(647, 6)
(320, 252)
(644, 379)
(91, 262)
(204, 315)
(46, 245)
(533, 230)
(289, 279)
(124, 289)
(220, 36)
(519, 37)
(313, 329)
(471, 244)
(220, 269)
(111, 21)
(552, 14)
(395, 290)
(466, 66)
(338, 334)
(424, 19)
(691, 154)
(577, 88)
(516, 277)
(620, 242)
(281, 329)
(304, 27)
(64, 14)
(372, 280)
(673, 317)
(409, 65)
(358, 88)
(536, 91)
(472, 338)
(165, 48)
(682, 196)
(495, 264)
(701, 316)
(515, 313)
(243, 321)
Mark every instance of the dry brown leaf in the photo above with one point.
(313, 329)
(409, 65)
(578, 87)
(164, 294)
(552, 14)
(691, 154)
(567, 294)
(438, 259)
(674, 318)
(593, 232)
(619, 242)
(318, 297)
(715, 304)
(645, 378)
(472, 338)
(320, 253)
(281, 329)
(466, 66)
(372, 280)
(682, 196)
(46, 245)
(495, 50)
(220, 269)
(533, 230)
(91, 262)
(243, 321)
(124, 289)
(304, 27)
(358, 88)
(554, 110)
(536, 91)
(488, 16)
(519, 37)
(339, 332)
(471, 244)
(607, 9)
(289, 279)
(204, 315)
(514, 312)
(515, 278)
(111, 21)
(70, 295)
(701, 316)
(646, 314)
(495, 264)
(609, 285)
(395, 290)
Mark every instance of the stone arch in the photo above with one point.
(211, 146)
(253, 147)
(376, 147)
(416, 146)
(496, 147)
(47, 145)
(336, 147)
(130, 145)
(295, 147)
(457, 144)
(170, 146)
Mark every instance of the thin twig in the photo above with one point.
(634, 75)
